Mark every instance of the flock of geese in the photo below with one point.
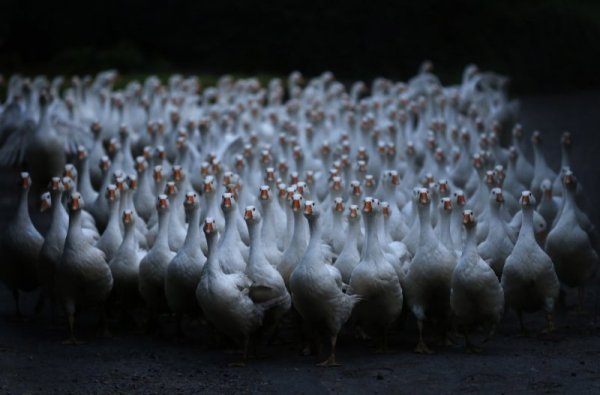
(301, 201)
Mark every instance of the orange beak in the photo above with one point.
(500, 197)
(447, 204)
(423, 196)
(467, 217)
(353, 211)
(368, 205)
(190, 198)
(264, 193)
(209, 225)
(308, 208)
(248, 213)
(227, 201)
(339, 205)
(163, 202)
(460, 199)
(127, 216)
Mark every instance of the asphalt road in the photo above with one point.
(33, 360)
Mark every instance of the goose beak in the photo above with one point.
(460, 200)
(25, 180)
(443, 186)
(127, 216)
(44, 204)
(227, 201)
(467, 217)
(208, 187)
(81, 153)
(385, 210)
(353, 211)
(163, 202)
(270, 174)
(190, 198)
(54, 184)
(368, 205)
(447, 204)
(395, 179)
(568, 179)
(248, 214)
(264, 193)
(177, 175)
(369, 182)
(209, 226)
(308, 208)
(500, 197)
(75, 203)
(423, 197)
(339, 206)
(295, 204)
(111, 193)
(356, 190)
(525, 198)
(158, 175)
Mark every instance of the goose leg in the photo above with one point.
(521, 325)
(242, 363)
(421, 346)
(16, 297)
(72, 340)
(550, 320)
(330, 361)
(469, 347)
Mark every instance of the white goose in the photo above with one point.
(528, 279)
(83, 276)
(427, 286)
(20, 246)
(350, 255)
(375, 282)
(569, 246)
(183, 272)
(316, 288)
(476, 296)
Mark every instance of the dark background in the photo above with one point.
(545, 46)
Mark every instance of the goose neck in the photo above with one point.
(193, 234)
(162, 239)
(425, 230)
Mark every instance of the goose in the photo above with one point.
(528, 278)
(20, 246)
(334, 231)
(395, 251)
(183, 272)
(153, 266)
(293, 254)
(476, 297)
(428, 277)
(97, 152)
(226, 299)
(267, 283)
(569, 246)
(499, 242)
(85, 184)
(524, 170)
(350, 255)
(125, 265)
(316, 288)
(143, 197)
(511, 184)
(269, 234)
(443, 228)
(111, 238)
(231, 251)
(565, 161)
(548, 207)
(541, 169)
(83, 277)
(375, 282)
(99, 208)
(54, 241)
(177, 231)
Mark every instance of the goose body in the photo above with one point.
(528, 279)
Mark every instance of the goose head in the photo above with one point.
(353, 213)
(443, 188)
(546, 187)
(527, 200)
(68, 184)
(70, 171)
(423, 197)
(96, 129)
(227, 203)
(104, 164)
(81, 153)
(468, 219)
(370, 206)
(338, 205)
(518, 132)
(264, 193)
(191, 201)
(140, 164)
(75, 202)
(112, 193)
(536, 138)
(45, 201)
(496, 196)
(128, 218)
(162, 203)
(569, 180)
(311, 211)
(209, 227)
(251, 215)
(565, 139)
(445, 206)
(302, 188)
(209, 185)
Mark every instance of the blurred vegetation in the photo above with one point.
(544, 46)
